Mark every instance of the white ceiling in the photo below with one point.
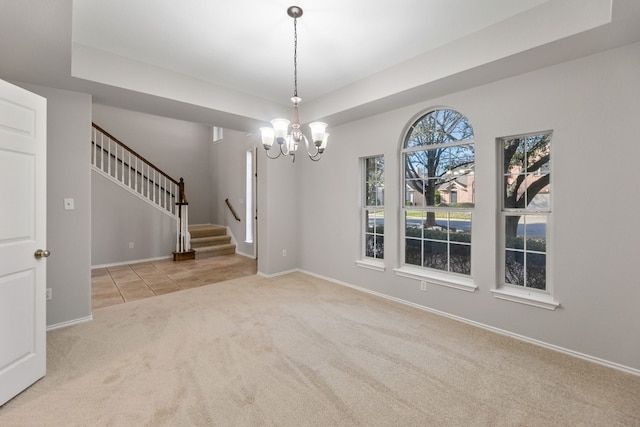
(230, 63)
(247, 45)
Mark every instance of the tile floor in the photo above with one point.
(116, 285)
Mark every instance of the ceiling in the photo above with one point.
(230, 64)
(247, 45)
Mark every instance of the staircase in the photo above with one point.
(210, 240)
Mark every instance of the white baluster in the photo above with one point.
(95, 146)
(102, 152)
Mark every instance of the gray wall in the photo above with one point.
(179, 148)
(591, 104)
(228, 168)
(68, 176)
(120, 217)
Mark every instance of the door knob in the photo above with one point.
(41, 253)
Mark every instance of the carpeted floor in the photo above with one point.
(299, 351)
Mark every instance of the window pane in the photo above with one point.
(439, 127)
(413, 223)
(539, 193)
(374, 221)
(370, 222)
(514, 268)
(460, 227)
(460, 258)
(414, 192)
(370, 244)
(514, 231)
(380, 247)
(536, 233)
(374, 194)
(413, 252)
(435, 255)
(536, 271)
(374, 247)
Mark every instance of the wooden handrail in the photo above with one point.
(113, 138)
(142, 175)
(235, 215)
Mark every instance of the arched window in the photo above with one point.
(438, 160)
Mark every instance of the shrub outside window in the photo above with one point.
(438, 159)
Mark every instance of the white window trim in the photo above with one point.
(444, 278)
(449, 280)
(376, 264)
(371, 264)
(524, 296)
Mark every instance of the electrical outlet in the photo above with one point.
(284, 252)
(131, 245)
(423, 286)
(49, 294)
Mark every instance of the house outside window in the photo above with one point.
(438, 160)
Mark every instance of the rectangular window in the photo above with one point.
(526, 209)
(373, 208)
(439, 197)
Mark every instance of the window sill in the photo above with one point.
(371, 264)
(441, 279)
(522, 296)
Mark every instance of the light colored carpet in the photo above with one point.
(299, 351)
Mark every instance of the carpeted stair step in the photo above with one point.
(206, 230)
(209, 251)
(201, 242)
(210, 240)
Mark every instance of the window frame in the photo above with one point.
(445, 278)
(542, 298)
(374, 263)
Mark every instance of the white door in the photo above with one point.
(23, 171)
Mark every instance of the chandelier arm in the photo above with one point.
(315, 156)
(273, 157)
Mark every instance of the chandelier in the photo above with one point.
(279, 132)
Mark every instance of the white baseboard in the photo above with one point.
(282, 273)
(246, 255)
(133, 261)
(553, 347)
(69, 323)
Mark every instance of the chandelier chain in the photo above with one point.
(295, 56)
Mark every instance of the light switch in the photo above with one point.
(68, 205)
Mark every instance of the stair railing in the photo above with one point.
(233, 211)
(115, 160)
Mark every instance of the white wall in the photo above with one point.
(68, 176)
(591, 104)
